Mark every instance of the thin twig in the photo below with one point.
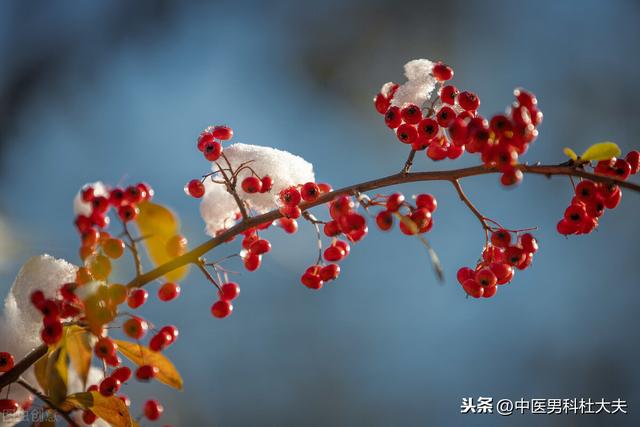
(470, 205)
(64, 414)
(313, 220)
(231, 188)
(206, 273)
(409, 162)
(133, 247)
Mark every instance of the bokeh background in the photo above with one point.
(118, 91)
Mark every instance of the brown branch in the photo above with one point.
(231, 187)
(471, 206)
(64, 414)
(133, 247)
(14, 373)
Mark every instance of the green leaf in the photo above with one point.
(601, 151)
(570, 153)
(157, 225)
(141, 355)
(111, 409)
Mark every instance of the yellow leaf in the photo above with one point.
(57, 374)
(111, 409)
(158, 225)
(40, 370)
(570, 153)
(141, 355)
(601, 151)
(79, 349)
(99, 310)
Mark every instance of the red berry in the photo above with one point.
(290, 226)
(473, 288)
(311, 281)
(406, 133)
(428, 129)
(329, 272)
(291, 211)
(411, 114)
(88, 417)
(633, 158)
(586, 190)
(427, 201)
(501, 238)
(204, 138)
(486, 277)
(394, 201)
(171, 332)
(169, 291)
(381, 103)
(251, 184)
(511, 178)
(133, 194)
(229, 291)
(194, 188)
(468, 101)
(489, 291)
(525, 98)
(6, 361)
(116, 197)
(448, 94)
(135, 328)
(146, 372)
(290, 196)
(621, 169)
(221, 309)
(109, 386)
(464, 274)
(153, 410)
(267, 184)
(503, 272)
(575, 213)
(331, 229)
(529, 243)
(52, 331)
(212, 151)
(38, 299)
(392, 117)
(566, 227)
(8, 406)
(514, 255)
(100, 204)
(122, 374)
(310, 192)
(105, 347)
(87, 194)
(384, 219)
(222, 133)
(128, 212)
(159, 341)
(137, 297)
(259, 247)
(334, 253)
(252, 261)
(442, 72)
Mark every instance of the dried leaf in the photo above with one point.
(57, 374)
(79, 349)
(159, 225)
(601, 151)
(110, 409)
(141, 355)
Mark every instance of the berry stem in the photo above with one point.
(313, 220)
(409, 162)
(201, 266)
(471, 206)
(231, 187)
(64, 414)
(133, 247)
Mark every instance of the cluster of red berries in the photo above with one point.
(227, 293)
(292, 196)
(499, 141)
(254, 184)
(10, 406)
(496, 266)
(345, 221)
(65, 306)
(420, 216)
(210, 144)
(253, 247)
(592, 198)
(122, 200)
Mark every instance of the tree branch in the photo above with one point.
(64, 414)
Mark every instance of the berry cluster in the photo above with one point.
(291, 197)
(416, 219)
(210, 144)
(452, 125)
(345, 221)
(592, 198)
(496, 266)
(66, 305)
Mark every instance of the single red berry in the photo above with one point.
(464, 274)
(442, 72)
(310, 192)
(514, 255)
(291, 211)
(229, 291)
(411, 114)
(503, 272)
(259, 247)
(116, 197)
(152, 410)
(511, 178)
(105, 347)
(289, 225)
(394, 201)
(586, 190)
(8, 406)
(529, 243)
(427, 201)
(171, 332)
(428, 129)
(489, 291)
(384, 219)
(6, 361)
(473, 288)
(100, 204)
(381, 103)
(566, 227)
(221, 309)
(613, 200)
(575, 213)
(329, 272)
(331, 229)
(526, 262)
(633, 158)
(251, 184)
(525, 98)
(122, 374)
(324, 187)
(252, 261)
(109, 386)
(128, 212)
(169, 291)
(222, 133)
(194, 188)
(146, 372)
(267, 184)
(407, 133)
(203, 139)
(133, 194)
(622, 169)
(137, 298)
(52, 331)
(290, 196)
(212, 151)
(87, 194)
(486, 277)
(311, 281)
(88, 417)
(501, 238)
(159, 341)
(392, 117)
(38, 299)
(334, 253)
(468, 100)
(341, 205)
(135, 328)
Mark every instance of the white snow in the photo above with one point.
(84, 208)
(218, 206)
(419, 86)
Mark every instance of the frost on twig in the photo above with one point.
(218, 207)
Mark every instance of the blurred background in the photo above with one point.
(119, 90)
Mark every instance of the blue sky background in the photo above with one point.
(384, 345)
